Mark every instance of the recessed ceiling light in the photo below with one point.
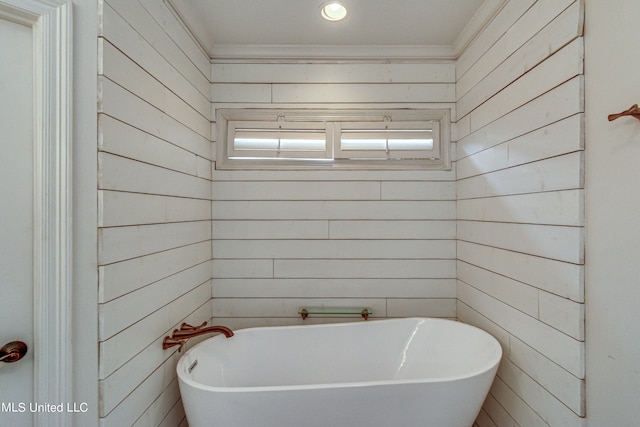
(334, 11)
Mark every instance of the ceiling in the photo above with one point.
(246, 28)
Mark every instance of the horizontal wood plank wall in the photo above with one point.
(520, 208)
(378, 239)
(155, 254)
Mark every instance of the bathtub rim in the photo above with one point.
(183, 375)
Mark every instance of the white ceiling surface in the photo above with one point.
(436, 26)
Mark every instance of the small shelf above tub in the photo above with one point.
(305, 312)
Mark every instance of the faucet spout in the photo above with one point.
(186, 331)
(186, 334)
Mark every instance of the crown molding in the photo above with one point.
(192, 23)
(330, 52)
(478, 22)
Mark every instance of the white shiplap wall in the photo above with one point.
(520, 208)
(379, 239)
(154, 206)
(382, 239)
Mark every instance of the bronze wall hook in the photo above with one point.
(634, 111)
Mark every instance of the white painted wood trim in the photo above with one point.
(332, 52)
(51, 21)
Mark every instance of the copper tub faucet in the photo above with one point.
(186, 331)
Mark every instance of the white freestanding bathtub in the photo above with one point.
(398, 373)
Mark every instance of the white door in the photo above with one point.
(16, 219)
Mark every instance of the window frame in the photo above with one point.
(230, 119)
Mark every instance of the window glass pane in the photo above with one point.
(255, 144)
(348, 143)
(291, 144)
(279, 140)
(410, 144)
(386, 139)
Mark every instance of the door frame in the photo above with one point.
(51, 23)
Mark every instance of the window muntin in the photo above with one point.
(372, 139)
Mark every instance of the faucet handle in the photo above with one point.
(169, 342)
(187, 327)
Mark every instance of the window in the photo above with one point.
(370, 139)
